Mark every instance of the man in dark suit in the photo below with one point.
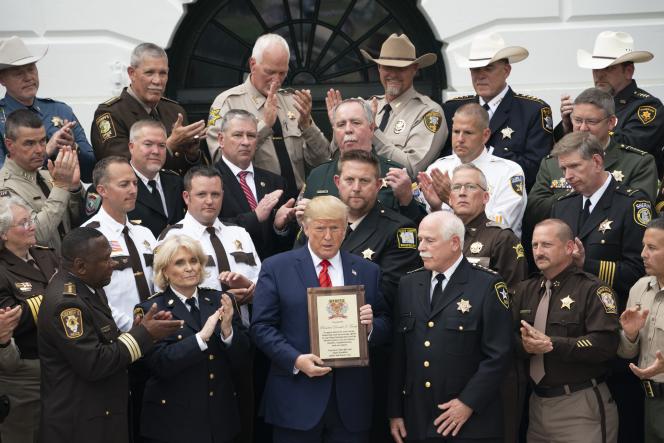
(452, 343)
(266, 219)
(304, 399)
(521, 125)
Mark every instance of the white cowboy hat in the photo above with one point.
(13, 52)
(398, 51)
(611, 48)
(488, 48)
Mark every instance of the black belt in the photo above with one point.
(557, 391)
(653, 389)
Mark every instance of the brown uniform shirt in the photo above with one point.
(582, 324)
(496, 247)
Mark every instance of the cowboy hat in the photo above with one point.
(611, 48)
(13, 52)
(488, 48)
(398, 51)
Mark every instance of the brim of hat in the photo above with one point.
(514, 54)
(24, 61)
(586, 60)
(422, 61)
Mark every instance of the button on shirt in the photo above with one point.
(201, 343)
(647, 293)
(121, 291)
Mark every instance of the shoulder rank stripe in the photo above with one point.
(530, 97)
(462, 97)
(34, 303)
(607, 271)
(112, 100)
(132, 346)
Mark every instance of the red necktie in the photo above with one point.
(324, 278)
(247, 190)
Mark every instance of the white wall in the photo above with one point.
(90, 41)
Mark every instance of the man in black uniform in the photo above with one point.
(83, 354)
(521, 125)
(567, 335)
(148, 72)
(452, 343)
(640, 115)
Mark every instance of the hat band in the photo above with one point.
(406, 59)
(604, 57)
(479, 59)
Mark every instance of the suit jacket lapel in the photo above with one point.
(306, 268)
(145, 197)
(502, 112)
(599, 213)
(350, 274)
(423, 291)
(233, 187)
(363, 231)
(180, 311)
(170, 194)
(260, 181)
(19, 267)
(453, 289)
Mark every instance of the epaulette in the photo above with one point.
(641, 93)
(629, 191)
(168, 171)
(530, 97)
(206, 288)
(42, 247)
(570, 193)
(377, 97)
(169, 100)
(69, 288)
(168, 228)
(462, 97)
(416, 270)
(493, 223)
(112, 101)
(135, 222)
(154, 295)
(95, 224)
(632, 149)
(482, 268)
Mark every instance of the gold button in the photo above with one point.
(211, 376)
(460, 328)
(430, 324)
(427, 344)
(179, 337)
(403, 392)
(602, 242)
(211, 393)
(426, 364)
(427, 385)
(177, 154)
(211, 357)
(108, 412)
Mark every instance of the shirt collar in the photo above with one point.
(357, 222)
(144, 179)
(190, 220)
(107, 221)
(235, 169)
(449, 272)
(403, 98)
(131, 92)
(494, 102)
(13, 104)
(335, 262)
(183, 299)
(594, 198)
(255, 94)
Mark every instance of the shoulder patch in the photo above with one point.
(215, 114)
(605, 295)
(531, 98)
(433, 120)
(503, 294)
(168, 228)
(518, 249)
(646, 114)
(92, 203)
(518, 183)
(632, 149)
(106, 126)
(547, 119)
(407, 238)
(112, 101)
(95, 224)
(72, 321)
(642, 212)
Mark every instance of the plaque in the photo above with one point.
(335, 332)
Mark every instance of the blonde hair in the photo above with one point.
(325, 207)
(164, 252)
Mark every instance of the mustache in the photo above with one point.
(425, 255)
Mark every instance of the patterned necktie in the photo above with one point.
(247, 190)
(324, 277)
(386, 116)
(537, 360)
(135, 260)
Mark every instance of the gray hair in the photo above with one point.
(239, 114)
(599, 98)
(472, 167)
(450, 225)
(265, 41)
(164, 252)
(365, 107)
(146, 50)
(6, 214)
(475, 111)
(584, 143)
(145, 123)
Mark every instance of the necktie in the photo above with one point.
(349, 230)
(193, 310)
(537, 360)
(155, 194)
(437, 290)
(487, 107)
(135, 260)
(219, 251)
(47, 191)
(324, 277)
(247, 190)
(584, 214)
(284, 160)
(386, 116)
(154, 114)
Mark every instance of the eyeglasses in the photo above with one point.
(591, 122)
(25, 224)
(470, 187)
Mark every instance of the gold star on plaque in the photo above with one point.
(618, 175)
(463, 306)
(566, 302)
(367, 253)
(507, 132)
(605, 226)
(476, 247)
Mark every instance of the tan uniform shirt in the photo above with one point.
(415, 132)
(60, 206)
(647, 293)
(307, 147)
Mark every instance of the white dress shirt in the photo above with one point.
(201, 343)
(251, 182)
(335, 270)
(448, 274)
(495, 102)
(160, 188)
(594, 198)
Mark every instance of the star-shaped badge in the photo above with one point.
(507, 132)
(463, 306)
(290, 115)
(566, 302)
(367, 253)
(618, 175)
(605, 226)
